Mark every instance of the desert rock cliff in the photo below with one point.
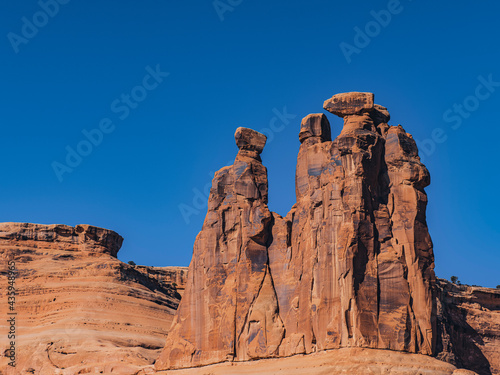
(344, 283)
(351, 265)
(79, 309)
(468, 321)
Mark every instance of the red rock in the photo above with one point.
(349, 103)
(315, 126)
(380, 114)
(80, 238)
(468, 319)
(351, 361)
(170, 277)
(347, 272)
(351, 265)
(229, 309)
(248, 139)
(357, 283)
(79, 309)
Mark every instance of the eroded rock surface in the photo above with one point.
(469, 327)
(358, 241)
(349, 103)
(229, 309)
(169, 277)
(79, 309)
(346, 361)
(351, 265)
(347, 272)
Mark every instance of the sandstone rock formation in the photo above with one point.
(468, 320)
(349, 103)
(346, 273)
(345, 361)
(229, 308)
(169, 277)
(79, 309)
(351, 265)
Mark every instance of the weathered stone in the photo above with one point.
(315, 126)
(79, 309)
(345, 361)
(468, 320)
(464, 372)
(249, 139)
(352, 123)
(351, 265)
(380, 114)
(229, 309)
(358, 286)
(347, 272)
(349, 103)
(80, 238)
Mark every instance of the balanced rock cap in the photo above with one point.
(249, 139)
(315, 125)
(349, 103)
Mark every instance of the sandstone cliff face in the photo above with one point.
(169, 277)
(229, 308)
(468, 320)
(359, 242)
(349, 268)
(79, 309)
(351, 265)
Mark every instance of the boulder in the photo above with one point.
(251, 140)
(315, 126)
(349, 103)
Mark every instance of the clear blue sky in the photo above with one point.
(239, 65)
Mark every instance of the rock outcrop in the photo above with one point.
(169, 277)
(344, 283)
(351, 265)
(345, 361)
(79, 309)
(468, 320)
(229, 308)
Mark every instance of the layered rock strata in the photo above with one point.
(351, 265)
(169, 277)
(468, 320)
(79, 309)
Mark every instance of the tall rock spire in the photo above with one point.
(351, 265)
(229, 309)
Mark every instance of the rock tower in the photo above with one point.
(351, 265)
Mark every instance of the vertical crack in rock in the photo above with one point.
(351, 264)
(230, 310)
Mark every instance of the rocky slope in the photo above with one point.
(79, 309)
(351, 265)
(170, 277)
(468, 320)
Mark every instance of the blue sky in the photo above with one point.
(160, 87)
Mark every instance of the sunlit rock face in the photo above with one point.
(80, 310)
(351, 265)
